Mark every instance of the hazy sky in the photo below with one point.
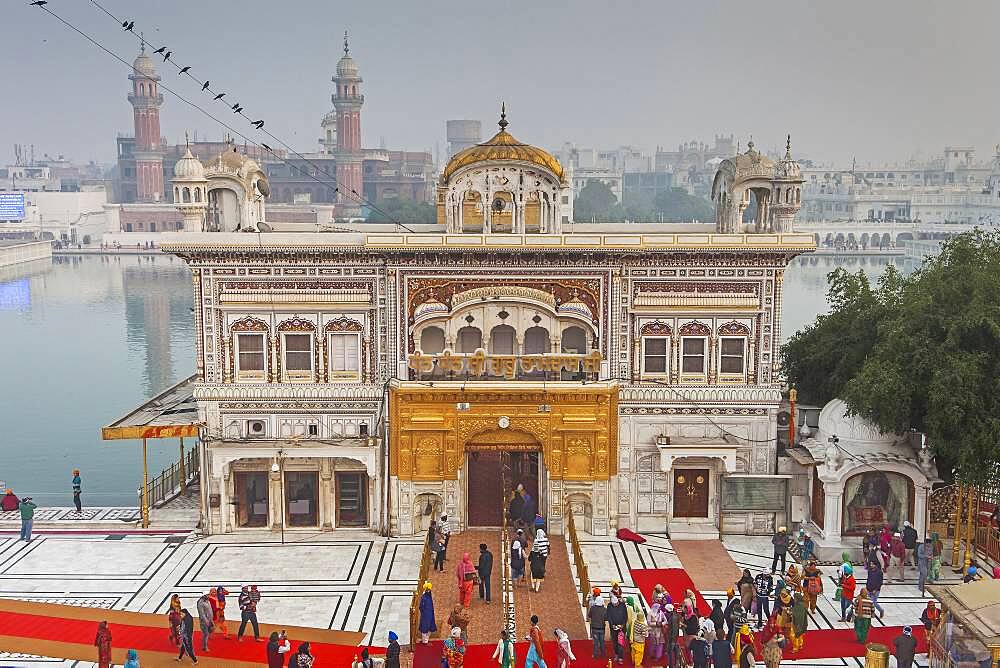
(880, 80)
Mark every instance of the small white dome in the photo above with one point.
(189, 168)
(834, 420)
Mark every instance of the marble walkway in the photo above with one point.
(356, 581)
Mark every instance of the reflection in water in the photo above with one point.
(89, 338)
(95, 337)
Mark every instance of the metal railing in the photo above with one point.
(581, 565)
(174, 480)
(422, 577)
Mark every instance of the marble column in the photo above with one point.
(326, 494)
(276, 503)
(832, 515)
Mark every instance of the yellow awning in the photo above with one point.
(171, 414)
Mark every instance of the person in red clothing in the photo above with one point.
(103, 643)
(10, 501)
(898, 551)
(847, 585)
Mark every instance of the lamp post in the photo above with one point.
(276, 468)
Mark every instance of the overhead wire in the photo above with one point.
(349, 193)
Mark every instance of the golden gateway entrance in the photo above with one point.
(458, 445)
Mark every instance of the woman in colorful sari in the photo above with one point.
(454, 649)
(863, 610)
(657, 622)
(465, 573)
(103, 643)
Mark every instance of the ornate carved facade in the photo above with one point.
(376, 374)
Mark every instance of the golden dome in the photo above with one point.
(502, 146)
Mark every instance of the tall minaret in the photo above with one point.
(347, 99)
(146, 100)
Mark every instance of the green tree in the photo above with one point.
(676, 205)
(596, 203)
(821, 358)
(921, 352)
(935, 366)
(396, 210)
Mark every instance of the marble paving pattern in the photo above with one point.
(609, 559)
(358, 582)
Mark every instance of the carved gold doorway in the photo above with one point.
(497, 461)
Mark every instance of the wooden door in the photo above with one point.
(352, 499)
(485, 495)
(251, 499)
(690, 492)
(817, 510)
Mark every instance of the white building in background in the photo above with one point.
(954, 188)
(71, 217)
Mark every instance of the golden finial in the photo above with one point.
(503, 116)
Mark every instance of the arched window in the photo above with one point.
(874, 498)
(470, 339)
(186, 194)
(536, 341)
(502, 340)
(574, 341)
(432, 340)
(197, 194)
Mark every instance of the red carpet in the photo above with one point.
(676, 581)
(478, 656)
(155, 639)
(819, 644)
(829, 643)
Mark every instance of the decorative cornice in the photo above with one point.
(286, 391)
(683, 396)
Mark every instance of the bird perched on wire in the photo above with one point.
(184, 70)
(161, 50)
(39, 3)
(128, 25)
(237, 109)
(267, 148)
(258, 124)
(167, 55)
(220, 96)
(204, 86)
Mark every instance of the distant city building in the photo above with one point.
(303, 179)
(70, 217)
(634, 175)
(48, 174)
(462, 134)
(952, 188)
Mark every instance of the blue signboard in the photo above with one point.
(11, 206)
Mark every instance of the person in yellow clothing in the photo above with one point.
(638, 632)
(793, 579)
